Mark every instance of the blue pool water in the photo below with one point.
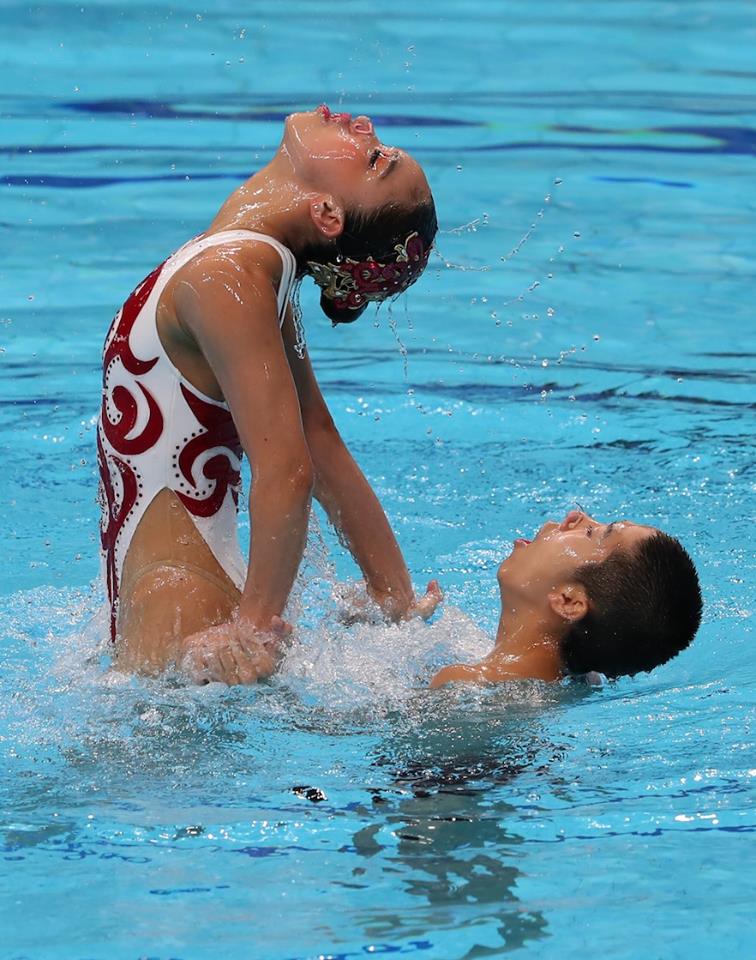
(342, 810)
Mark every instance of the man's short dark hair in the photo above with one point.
(644, 608)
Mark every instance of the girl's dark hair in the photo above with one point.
(644, 608)
(373, 234)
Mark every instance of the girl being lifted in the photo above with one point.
(202, 364)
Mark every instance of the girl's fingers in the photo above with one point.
(427, 605)
(229, 666)
(232, 654)
(281, 628)
(247, 662)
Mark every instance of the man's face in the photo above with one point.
(535, 568)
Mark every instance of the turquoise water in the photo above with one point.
(342, 810)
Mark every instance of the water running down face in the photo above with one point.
(341, 155)
(370, 205)
(535, 568)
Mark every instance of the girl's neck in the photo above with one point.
(270, 202)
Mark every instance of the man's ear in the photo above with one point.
(569, 601)
(327, 216)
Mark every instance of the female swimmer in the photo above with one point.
(202, 364)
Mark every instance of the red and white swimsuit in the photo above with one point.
(157, 431)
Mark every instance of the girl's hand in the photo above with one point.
(425, 607)
(235, 652)
(362, 606)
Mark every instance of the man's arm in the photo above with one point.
(349, 500)
(230, 309)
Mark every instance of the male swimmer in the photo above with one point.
(583, 596)
(203, 363)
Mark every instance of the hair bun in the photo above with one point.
(339, 315)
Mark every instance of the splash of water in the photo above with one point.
(300, 344)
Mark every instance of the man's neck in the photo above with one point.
(525, 646)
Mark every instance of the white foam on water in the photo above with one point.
(379, 662)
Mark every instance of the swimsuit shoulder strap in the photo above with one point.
(288, 262)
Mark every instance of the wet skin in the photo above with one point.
(343, 156)
(217, 321)
(536, 567)
(540, 598)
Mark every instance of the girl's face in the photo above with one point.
(341, 155)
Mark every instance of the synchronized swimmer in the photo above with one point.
(203, 364)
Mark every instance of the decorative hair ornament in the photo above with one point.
(350, 284)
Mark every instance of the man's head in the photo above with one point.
(621, 597)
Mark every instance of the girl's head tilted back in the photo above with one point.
(372, 211)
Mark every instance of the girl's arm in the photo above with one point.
(349, 500)
(228, 305)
